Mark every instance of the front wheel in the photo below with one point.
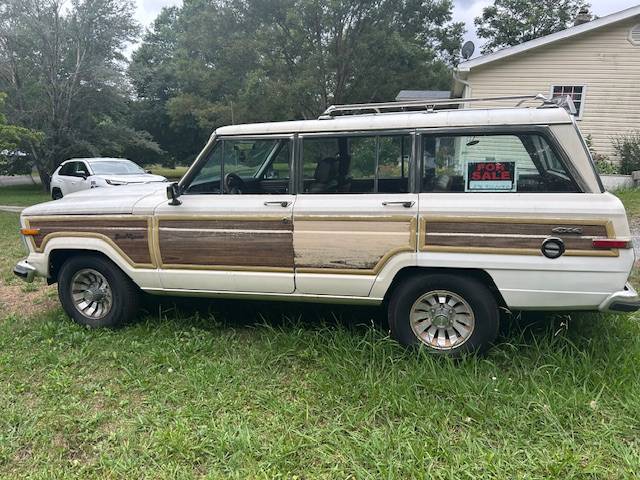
(96, 293)
(448, 314)
(56, 193)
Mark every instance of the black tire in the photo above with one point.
(479, 298)
(56, 194)
(125, 296)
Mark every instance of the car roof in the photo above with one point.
(408, 120)
(96, 159)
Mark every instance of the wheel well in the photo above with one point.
(59, 256)
(477, 274)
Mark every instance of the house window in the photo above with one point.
(576, 93)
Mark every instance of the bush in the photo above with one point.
(604, 166)
(627, 147)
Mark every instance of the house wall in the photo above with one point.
(604, 61)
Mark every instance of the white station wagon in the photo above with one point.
(444, 216)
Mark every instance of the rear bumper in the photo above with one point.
(25, 271)
(626, 300)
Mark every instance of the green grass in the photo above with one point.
(631, 199)
(23, 195)
(170, 173)
(249, 390)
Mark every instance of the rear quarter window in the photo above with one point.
(505, 162)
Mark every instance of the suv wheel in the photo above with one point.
(95, 292)
(56, 194)
(448, 314)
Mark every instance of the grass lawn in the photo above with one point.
(170, 173)
(23, 195)
(245, 390)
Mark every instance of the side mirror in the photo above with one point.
(173, 192)
(84, 175)
(148, 171)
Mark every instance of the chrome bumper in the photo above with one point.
(626, 300)
(25, 271)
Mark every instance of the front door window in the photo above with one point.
(244, 166)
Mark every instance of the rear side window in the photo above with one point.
(518, 162)
(356, 164)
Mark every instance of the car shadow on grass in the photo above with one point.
(578, 331)
(211, 314)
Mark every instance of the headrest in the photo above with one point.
(325, 170)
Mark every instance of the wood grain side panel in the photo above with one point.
(353, 244)
(510, 236)
(510, 228)
(132, 237)
(221, 243)
(571, 243)
(283, 224)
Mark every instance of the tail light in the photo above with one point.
(611, 243)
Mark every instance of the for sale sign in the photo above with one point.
(491, 177)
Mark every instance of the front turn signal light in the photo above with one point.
(30, 232)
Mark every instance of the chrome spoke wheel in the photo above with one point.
(442, 320)
(91, 293)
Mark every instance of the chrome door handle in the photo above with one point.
(405, 204)
(282, 203)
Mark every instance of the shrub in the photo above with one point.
(627, 147)
(604, 166)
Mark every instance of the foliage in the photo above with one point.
(211, 63)
(627, 147)
(13, 140)
(62, 67)
(604, 166)
(512, 22)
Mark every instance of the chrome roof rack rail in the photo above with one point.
(412, 105)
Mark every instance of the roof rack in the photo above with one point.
(429, 105)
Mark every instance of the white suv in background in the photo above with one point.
(84, 173)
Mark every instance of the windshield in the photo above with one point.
(116, 167)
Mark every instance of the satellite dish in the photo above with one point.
(467, 49)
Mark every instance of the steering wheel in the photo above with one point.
(233, 184)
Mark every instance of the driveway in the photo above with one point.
(7, 180)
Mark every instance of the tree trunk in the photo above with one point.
(45, 178)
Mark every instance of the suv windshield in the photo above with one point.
(116, 167)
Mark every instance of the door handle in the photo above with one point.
(282, 203)
(405, 204)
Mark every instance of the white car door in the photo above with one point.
(66, 178)
(237, 238)
(356, 211)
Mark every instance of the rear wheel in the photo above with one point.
(95, 292)
(56, 194)
(448, 314)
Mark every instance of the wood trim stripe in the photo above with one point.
(491, 235)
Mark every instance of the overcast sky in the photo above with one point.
(465, 10)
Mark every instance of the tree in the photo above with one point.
(62, 67)
(511, 22)
(214, 62)
(12, 140)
